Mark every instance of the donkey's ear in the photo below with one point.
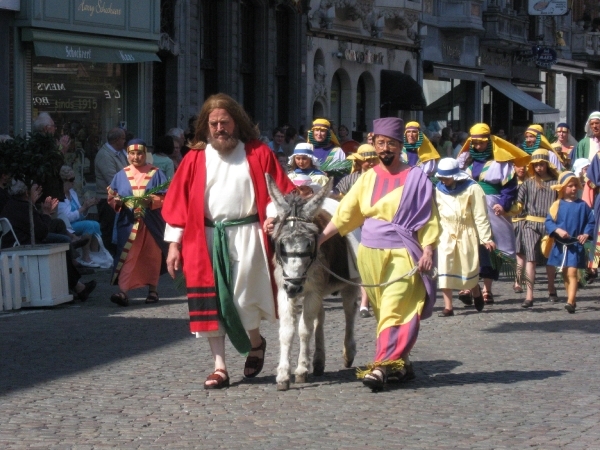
(276, 196)
(314, 204)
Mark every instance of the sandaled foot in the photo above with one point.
(446, 313)
(518, 289)
(570, 308)
(478, 299)
(255, 362)
(375, 380)
(488, 298)
(527, 304)
(401, 376)
(217, 380)
(553, 298)
(465, 297)
(120, 299)
(152, 297)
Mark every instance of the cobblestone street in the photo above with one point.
(94, 375)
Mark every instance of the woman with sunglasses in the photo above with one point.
(73, 213)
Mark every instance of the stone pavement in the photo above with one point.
(94, 375)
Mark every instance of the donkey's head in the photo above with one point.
(295, 235)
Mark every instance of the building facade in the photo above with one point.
(253, 50)
(362, 62)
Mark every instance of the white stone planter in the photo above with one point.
(40, 278)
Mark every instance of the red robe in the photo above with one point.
(183, 207)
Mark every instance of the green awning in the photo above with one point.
(76, 47)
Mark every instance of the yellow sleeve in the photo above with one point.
(348, 216)
(430, 232)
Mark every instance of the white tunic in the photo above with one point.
(229, 195)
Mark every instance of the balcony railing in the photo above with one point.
(505, 29)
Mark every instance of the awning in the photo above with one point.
(77, 47)
(400, 92)
(542, 113)
(456, 72)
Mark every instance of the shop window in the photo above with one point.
(85, 100)
(361, 106)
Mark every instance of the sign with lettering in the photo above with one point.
(548, 7)
(545, 57)
(110, 12)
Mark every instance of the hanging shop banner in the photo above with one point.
(548, 7)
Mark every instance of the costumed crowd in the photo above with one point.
(422, 221)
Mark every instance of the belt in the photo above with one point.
(222, 272)
(537, 219)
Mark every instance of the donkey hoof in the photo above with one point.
(283, 386)
(300, 378)
(348, 362)
(318, 371)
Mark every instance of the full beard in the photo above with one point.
(223, 146)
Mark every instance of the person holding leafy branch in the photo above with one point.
(136, 193)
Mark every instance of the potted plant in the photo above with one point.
(37, 160)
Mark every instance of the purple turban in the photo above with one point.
(392, 127)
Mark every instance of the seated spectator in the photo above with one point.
(163, 149)
(17, 212)
(73, 213)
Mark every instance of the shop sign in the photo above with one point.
(548, 7)
(545, 57)
(366, 57)
(99, 11)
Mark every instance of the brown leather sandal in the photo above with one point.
(221, 381)
(254, 362)
(120, 299)
(152, 297)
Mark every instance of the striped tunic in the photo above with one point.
(536, 196)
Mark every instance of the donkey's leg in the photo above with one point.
(286, 337)
(305, 331)
(319, 356)
(349, 296)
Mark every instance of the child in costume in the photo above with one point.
(535, 198)
(535, 139)
(490, 160)
(570, 222)
(464, 223)
(518, 220)
(304, 162)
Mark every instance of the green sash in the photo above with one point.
(222, 272)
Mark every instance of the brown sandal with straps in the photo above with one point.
(254, 362)
(221, 381)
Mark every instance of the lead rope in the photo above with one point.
(430, 273)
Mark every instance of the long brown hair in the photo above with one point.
(245, 129)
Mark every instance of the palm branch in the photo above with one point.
(139, 202)
(179, 283)
(336, 169)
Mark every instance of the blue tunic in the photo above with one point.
(575, 218)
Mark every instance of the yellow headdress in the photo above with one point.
(502, 150)
(326, 125)
(563, 179)
(541, 154)
(364, 153)
(537, 130)
(427, 150)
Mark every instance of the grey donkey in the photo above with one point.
(302, 282)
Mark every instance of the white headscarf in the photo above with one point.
(594, 115)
